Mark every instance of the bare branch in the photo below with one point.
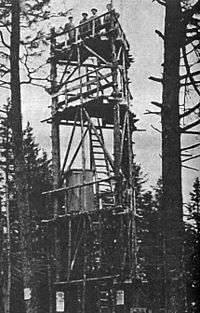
(191, 147)
(151, 112)
(193, 74)
(195, 21)
(190, 125)
(191, 132)
(188, 71)
(197, 82)
(192, 38)
(156, 79)
(191, 158)
(3, 41)
(160, 34)
(189, 111)
(190, 168)
(157, 104)
(160, 2)
(187, 16)
(158, 130)
(4, 82)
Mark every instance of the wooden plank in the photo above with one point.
(60, 93)
(88, 93)
(88, 83)
(77, 186)
(88, 73)
(77, 281)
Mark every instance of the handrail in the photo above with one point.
(85, 23)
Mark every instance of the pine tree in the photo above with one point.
(39, 173)
(150, 255)
(193, 249)
(11, 11)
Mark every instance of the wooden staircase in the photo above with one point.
(101, 169)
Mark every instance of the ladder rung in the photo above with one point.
(99, 159)
(100, 152)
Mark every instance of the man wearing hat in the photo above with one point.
(84, 29)
(95, 21)
(69, 28)
(110, 16)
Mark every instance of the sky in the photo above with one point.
(139, 19)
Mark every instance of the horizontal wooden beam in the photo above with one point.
(88, 83)
(89, 279)
(50, 192)
(90, 92)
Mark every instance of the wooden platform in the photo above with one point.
(96, 108)
(101, 46)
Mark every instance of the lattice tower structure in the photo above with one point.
(93, 221)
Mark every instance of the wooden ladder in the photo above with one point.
(101, 168)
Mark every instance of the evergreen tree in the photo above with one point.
(150, 255)
(39, 174)
(192, 249)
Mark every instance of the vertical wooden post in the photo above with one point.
(83, 189)
(131, 190)
(50, 283)
(116, 117)
(69, 249)
(84, 265)
(55, 140)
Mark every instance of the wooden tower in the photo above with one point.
(93, 220)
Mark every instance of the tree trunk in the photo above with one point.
(172, 212)
(20, 167)
(55, 140)
(8, 241)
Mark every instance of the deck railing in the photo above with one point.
(94, 27)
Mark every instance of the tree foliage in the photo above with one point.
(192, 250)
(39, 174)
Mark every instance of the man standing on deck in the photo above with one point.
(84, 29)
(69, 28)
(95, 22)
(108, 17)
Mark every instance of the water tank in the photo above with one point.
(79, 199)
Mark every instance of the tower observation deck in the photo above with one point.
(91, 233)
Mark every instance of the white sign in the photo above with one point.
(27, 293)
(60, 301)
(120, 297)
